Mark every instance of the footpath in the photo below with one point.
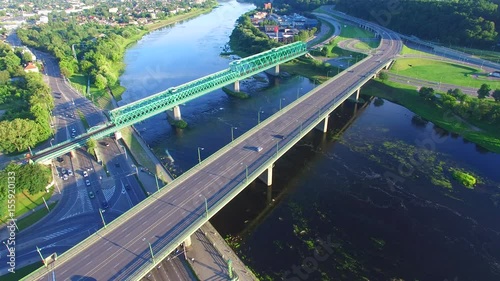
(209, 253)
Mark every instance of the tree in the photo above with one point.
(100, 81)
(91, 145)
(383, 76)
(496, 95)
(426, 93)
(484, 91)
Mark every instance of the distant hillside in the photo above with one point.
(464, 22)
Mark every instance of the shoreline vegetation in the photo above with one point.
(101, 97)
(477, 131)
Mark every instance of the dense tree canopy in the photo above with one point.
(249, 39)
(465, 22)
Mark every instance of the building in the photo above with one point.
(30, 67)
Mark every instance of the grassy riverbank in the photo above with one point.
(444, 72)
(485, 135)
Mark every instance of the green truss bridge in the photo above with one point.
(142, 109)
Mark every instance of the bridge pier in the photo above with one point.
(356, 94)
(267, 176)
(72, 153)
(237, 86)
(323, 125)
(177, 113)
(118, 135)
(277, 70)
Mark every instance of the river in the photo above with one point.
(375, 193)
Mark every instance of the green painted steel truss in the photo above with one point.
(142, 109)
(238, 70)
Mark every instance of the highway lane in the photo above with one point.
(121, 251)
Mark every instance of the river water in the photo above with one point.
(374, 195)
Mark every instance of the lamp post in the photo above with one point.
(157, 185)
(282, 99)
(232, 133)
(136, 170)
(152, 255)
(258, 116)
(102, 217)
(199, 154)
(206, 205)
(51, 142)
(298, 91)
(327, 74)
(124, 151)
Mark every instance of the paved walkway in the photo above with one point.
(209, 255)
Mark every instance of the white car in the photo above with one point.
(85, 174)
(65, 177)
(70, 173)
(259, 148)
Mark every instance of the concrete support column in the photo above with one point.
(267, 176)
(323, 125)
(187, 242)
(177, 113)
(357, 94)
(237, 86)
(72, 153)
(277, 70)
(118, 135)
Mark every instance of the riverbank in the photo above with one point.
(101, 97)
(485, 135)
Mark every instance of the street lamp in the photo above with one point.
(246, 172)
(102, 217)
(206, 204)
(8, 249)
(199, 154)
(298, 91)
(136, 170)
(327, 73)
(152, 255)
(258, 116)
(124, 151)
(282, 99)
(232, 133)
(51, 141)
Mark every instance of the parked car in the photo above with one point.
(91, 195)
(85, 174)
(65, 177)
(70, 173)
(87, 182)
(105, 204)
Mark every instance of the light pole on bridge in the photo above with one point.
(232, 133)
(199, 154)
(206, 205)
(102, 217)
(258, 115)
(152, 255)
(298, 92)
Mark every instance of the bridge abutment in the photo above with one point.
(323, 125)
(267, 176)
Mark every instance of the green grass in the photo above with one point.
(444, 72)
(34, 217)
(493, 56)
(26, 202)
(21, 272)
(409, 51)
(83, 119)
(117, 91)
(363, 46)
(192, 13)
(306, 69)
(407, 96)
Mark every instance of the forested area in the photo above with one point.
(27, 102)
(99, 49)
(290, 6)
(468, 107)
(464, 22)
(249, 40)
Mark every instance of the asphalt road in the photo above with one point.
(117, 254)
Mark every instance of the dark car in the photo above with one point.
(127, 186)
(117, 164)
(60, 159)
(105, 205)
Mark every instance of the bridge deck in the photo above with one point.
(164, 219)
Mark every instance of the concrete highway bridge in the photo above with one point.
(134, 243)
